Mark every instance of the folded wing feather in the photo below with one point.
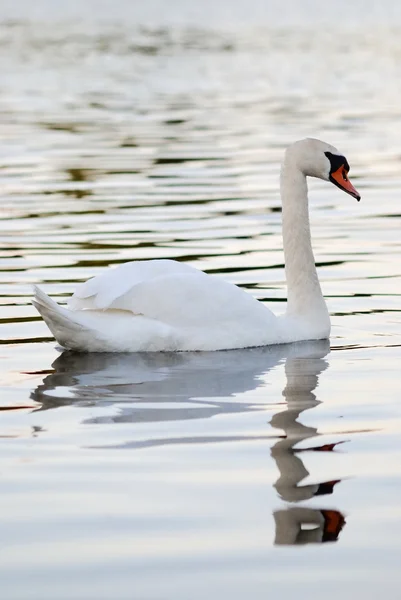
(172, 293)
(100, 292)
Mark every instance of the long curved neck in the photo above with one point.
(304, 292)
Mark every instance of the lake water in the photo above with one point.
(147, 130)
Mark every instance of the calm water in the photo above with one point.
(129, 132)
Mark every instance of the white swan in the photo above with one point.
(164, 305)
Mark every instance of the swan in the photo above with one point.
(165, 305)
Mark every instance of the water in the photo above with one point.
(142, 134)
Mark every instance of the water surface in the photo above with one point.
(143, 134)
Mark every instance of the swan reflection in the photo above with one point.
(179, 386)
(300, 525)
(154, 387)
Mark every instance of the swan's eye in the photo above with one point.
(345, 175)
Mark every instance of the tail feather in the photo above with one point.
(54, 315)
(66, 326)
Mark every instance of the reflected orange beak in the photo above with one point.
(334, 521)
(340, 179)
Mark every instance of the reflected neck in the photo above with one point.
(304, 292)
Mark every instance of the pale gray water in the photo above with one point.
(144, 130)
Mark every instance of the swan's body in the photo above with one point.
(164, 305)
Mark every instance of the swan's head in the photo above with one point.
(318, 159)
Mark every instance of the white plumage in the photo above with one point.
(154, 306)
(164, 305)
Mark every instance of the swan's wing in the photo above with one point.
(172, 293)
(100, 292)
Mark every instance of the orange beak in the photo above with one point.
(340, 179)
